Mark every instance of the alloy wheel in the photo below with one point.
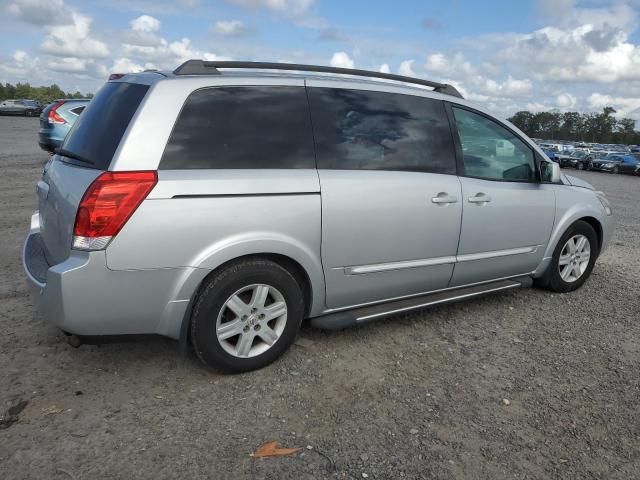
(574, 258)
(251, 320)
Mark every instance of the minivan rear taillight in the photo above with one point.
(107, 205)
(53, 116)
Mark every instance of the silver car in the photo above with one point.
(224, 208)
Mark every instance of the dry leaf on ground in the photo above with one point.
(270, 449)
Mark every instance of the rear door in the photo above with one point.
(391, 202)
(85, 154)
(507, 213)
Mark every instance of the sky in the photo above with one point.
(511, 55)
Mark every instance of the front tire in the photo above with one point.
(615, 170)
(572, 260)
(246, 316)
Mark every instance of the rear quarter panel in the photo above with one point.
(204, 218)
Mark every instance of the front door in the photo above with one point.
(508, 214)
(391, 202)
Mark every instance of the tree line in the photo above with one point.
(42, 94)
(600, 127)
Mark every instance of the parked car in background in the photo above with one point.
(56, 120)
(571, 159)
(616, 163)
(202, 205)
(29, 108)
(552, 154)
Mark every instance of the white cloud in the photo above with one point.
(406, 68)
(40, 12)
(168, 55)
(73, 40)
(341, 60)
(565, 101)
(20, 56)
(230, 27)
(456, 65)
(145, 23)
(68, 64)
(384, 68)
(125, 65)
(583, 53)
(625, 106)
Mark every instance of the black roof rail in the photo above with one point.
(205, 67)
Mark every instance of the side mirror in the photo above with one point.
(550, 172)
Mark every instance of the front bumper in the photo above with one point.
(81, 295)
(603, 167)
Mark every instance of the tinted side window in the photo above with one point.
(491, 151)
(242, 127)
(363, 130)
(96, 134)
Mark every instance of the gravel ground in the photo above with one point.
(418, 396)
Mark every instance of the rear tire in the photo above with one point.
(615, 170)
(231, 330)
(556, 278)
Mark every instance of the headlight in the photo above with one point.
(605, 202)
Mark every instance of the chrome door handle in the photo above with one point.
(480, 198)
(443, 198)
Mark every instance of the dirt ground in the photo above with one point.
(418, 396)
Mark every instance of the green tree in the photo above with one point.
(45, 94)
(626, 129)
(572, 127)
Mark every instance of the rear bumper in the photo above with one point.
(48, 142)
(81, 295)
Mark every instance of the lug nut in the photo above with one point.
(246, 328)
(256, 327)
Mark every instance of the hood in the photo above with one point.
(576, 182)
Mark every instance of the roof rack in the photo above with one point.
(203, 67)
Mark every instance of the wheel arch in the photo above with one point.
(597, 226)
(303, 266)
(574, 214)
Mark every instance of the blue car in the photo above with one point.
(56, 120)
(618, 163)
(551, 154)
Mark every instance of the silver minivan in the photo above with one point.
(223, 208)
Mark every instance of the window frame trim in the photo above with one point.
(460, 167)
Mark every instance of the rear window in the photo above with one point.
(96, 134)
(242, 127)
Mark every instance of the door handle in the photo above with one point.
(443, 198)
(480, 198)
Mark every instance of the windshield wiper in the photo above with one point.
(75, 156)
